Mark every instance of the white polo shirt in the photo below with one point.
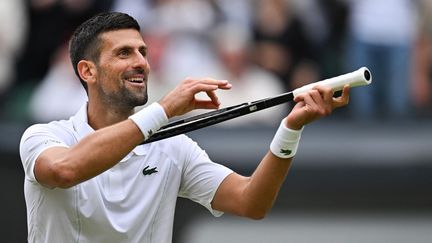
(133, 201)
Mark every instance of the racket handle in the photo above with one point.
(360, 77)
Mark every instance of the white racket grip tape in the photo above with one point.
(360, 77)
(150, 119)
(285, 142)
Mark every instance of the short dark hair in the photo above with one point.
(85, 41)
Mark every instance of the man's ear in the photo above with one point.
(87, 71)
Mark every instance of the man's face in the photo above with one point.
(122, 70)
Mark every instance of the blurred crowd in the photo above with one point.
(264, 47)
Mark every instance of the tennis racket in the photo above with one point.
(357, 78)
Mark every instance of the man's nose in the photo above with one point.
(140, 61)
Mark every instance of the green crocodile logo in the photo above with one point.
(285, 151)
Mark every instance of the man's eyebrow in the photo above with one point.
(122, 47)
(129, 47)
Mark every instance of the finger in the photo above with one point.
(205, 104)
(309, 102)
(201, 87)
(343, 99)
(321, 107)
(305, 98)
(218, 82)
(299, 97)
(210, 85)
(316, 96)
(326, 93)
(299, 105)
(226, 86)
(213, 97)
(221, 83)
(323, 97)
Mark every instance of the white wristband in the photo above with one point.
(150, 119)
(285, 141)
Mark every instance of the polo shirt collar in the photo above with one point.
(82, 128)
(80, 122)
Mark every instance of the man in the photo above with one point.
(87, 179)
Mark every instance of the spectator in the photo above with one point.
(422, 87)
(60, 83)
(51, 23)
(324, 22)
(281, 44)
(250, 82)
(382, 35)
(13, 30)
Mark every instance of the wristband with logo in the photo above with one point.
(150, 119)
(285, 142)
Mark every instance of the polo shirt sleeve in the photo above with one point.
(201, 177)
(34, 141)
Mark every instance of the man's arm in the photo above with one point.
(254, 196)
(101, 150)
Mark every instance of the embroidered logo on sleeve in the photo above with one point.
(49, 141)
(150, 133)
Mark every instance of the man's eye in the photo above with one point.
(143, 53)
(123, 53)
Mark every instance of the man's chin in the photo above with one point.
(133, 99)
(141, 101)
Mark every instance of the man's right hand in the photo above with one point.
(182, 99)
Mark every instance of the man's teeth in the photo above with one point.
(135, 80)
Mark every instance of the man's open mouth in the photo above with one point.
(136, 80)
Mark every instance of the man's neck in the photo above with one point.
(100, 116)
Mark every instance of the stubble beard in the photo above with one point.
(130, 98)
(124, 97)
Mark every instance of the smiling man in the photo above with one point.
(87, 179)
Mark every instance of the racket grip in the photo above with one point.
(360, 77)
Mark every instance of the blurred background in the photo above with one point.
(362, 175)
